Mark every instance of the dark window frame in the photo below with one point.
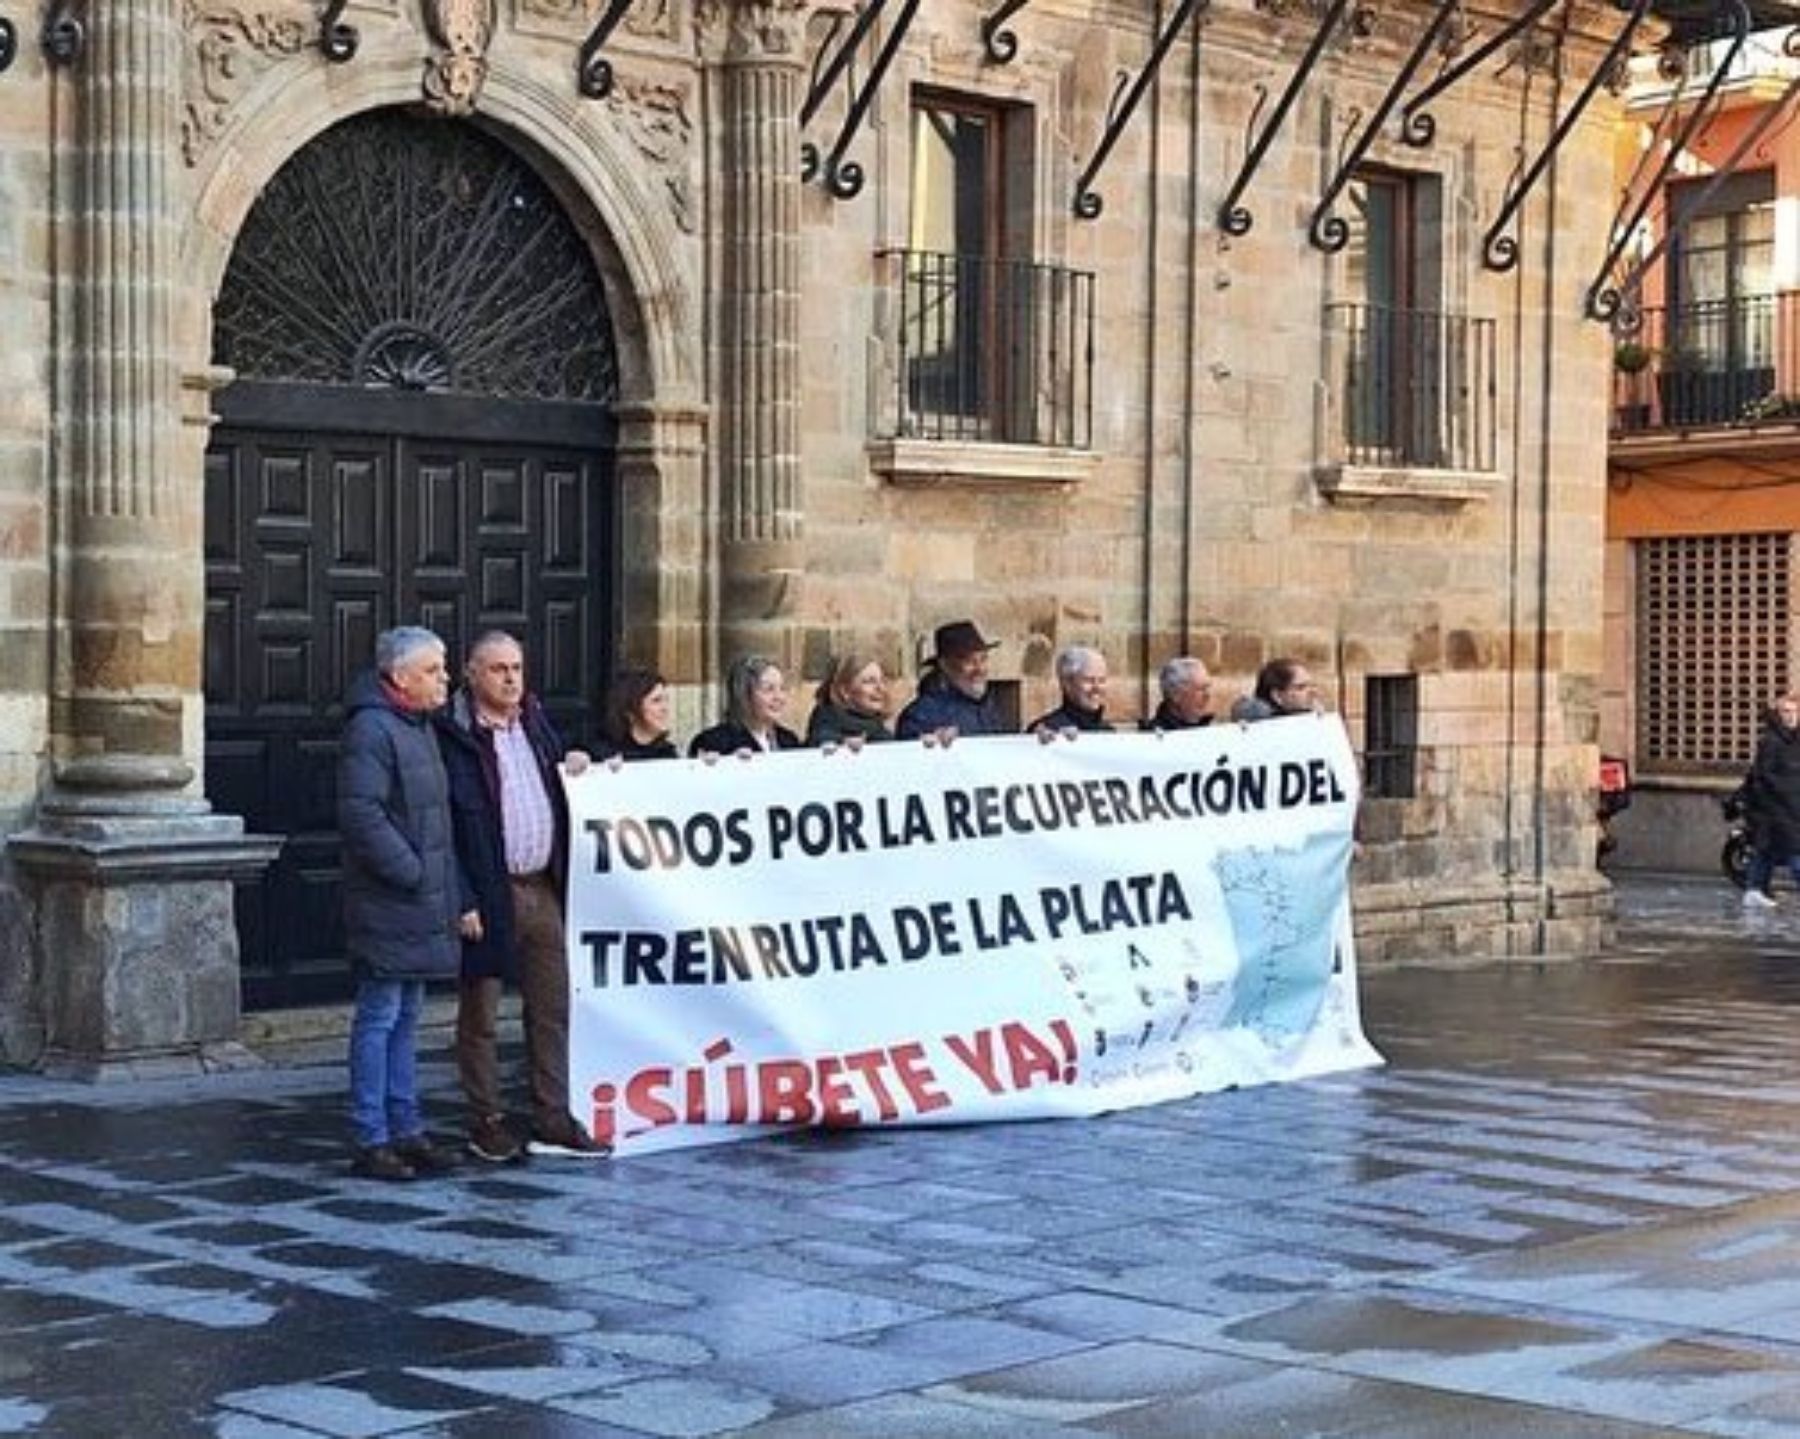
(1391, 736)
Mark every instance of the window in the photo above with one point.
(1713, 613)
(991, 346)
(1718, 355)
(1391, 736)
(1415, 383)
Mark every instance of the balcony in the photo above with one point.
(987, 356)
(1722, 363)
(1410, 396)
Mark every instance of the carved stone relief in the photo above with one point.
(649, 19)
(228, 46)
(751, 29)
(463, 29)
(654, 117)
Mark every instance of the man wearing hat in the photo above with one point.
(953, 689)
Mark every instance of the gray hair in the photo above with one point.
(1180, 671)
(1074, 661)
(395, 649)
(491, 639)
(741, 680)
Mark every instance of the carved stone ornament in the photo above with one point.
(655, 119)
(228, 46)
(752, 29)
(652, 19)
(454, 76)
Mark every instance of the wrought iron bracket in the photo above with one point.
(1418, 127)
(996, 38)
(1610, 305)
(1234, 218)
(1328, 231)
(843, 179)
(9, 43)
(594, 73)
(1603, 301)
(64, 35)
(338, 38)
(1499, 250)
(1087, 203)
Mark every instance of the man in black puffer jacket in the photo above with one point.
(403, 894)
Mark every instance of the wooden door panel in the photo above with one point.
(314, 544)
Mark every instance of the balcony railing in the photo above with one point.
(1000, 351)
(1719, 362)
(1412, 389)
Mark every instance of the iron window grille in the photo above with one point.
(1713, 621)
(1391, 736)
(989, 350)
(1414, 389)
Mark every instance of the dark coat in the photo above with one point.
(941, 705)
(1166, 719)
(1774, 808)
(834, 723)
(729, 737)
(631, 750)
(1069, 715)
(403, 893)
(474, 774)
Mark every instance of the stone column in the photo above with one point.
(137, 949)
(759, 369)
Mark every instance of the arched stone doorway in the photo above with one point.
(421, 431)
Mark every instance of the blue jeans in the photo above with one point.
(384, 1080)
(1762, 870)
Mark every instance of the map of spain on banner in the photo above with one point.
(999, 929)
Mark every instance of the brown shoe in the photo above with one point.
(568, 1139)
(423, 1156)
(493, 1143)
(381, 1161)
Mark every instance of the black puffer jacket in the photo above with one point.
(402, 890)
(1775, 792)
(833, 723)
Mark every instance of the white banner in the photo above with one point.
(998, 930)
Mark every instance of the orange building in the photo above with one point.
(1704, 458)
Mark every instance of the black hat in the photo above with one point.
(959, 638)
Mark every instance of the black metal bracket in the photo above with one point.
(1417, 127)
(1499, 250)
(1000, 42)
(1602, 301)
(1328, 231)
(9, 43)
(593, 73)
(337, 39)
(1234, 219)
(64, 35)
(843, 179)
(1610, 305)
(1087, 203)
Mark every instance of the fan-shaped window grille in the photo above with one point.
(401, 252)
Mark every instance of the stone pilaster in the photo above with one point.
(136, 949)
(759, 370)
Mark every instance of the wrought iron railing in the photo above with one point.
(1717, 362)
(988, 350)
(1412, 389)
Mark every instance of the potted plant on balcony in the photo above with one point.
(1632, 358)
(1631, 398)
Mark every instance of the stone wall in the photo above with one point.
(1212, 514)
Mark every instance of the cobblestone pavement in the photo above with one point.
(1569, 1207)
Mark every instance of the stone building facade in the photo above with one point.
(318, 321)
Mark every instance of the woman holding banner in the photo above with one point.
(635, 721)
(851, 704)
(755, 700)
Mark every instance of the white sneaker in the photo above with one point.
(1756, 899)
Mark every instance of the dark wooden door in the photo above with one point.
(315, 542)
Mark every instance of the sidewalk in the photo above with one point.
(1569, 1207)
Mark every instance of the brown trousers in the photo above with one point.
(544, 986)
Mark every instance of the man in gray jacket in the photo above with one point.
(403, 893)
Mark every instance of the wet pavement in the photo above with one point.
(1570, 1206)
